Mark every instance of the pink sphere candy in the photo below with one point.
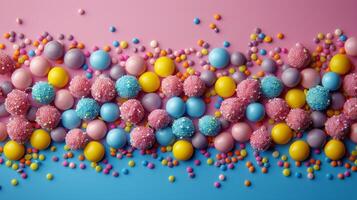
(248, 90)
(79, 86)
(261, 139)
(158, 119)
(171, 86)
(224, 142)
(64, 99)
(351, 46)
(76, 139)
(232, 109)
(135, 65)
(193, 86)
(132, 111)
(7, 65)
(353, 133)
(21, 79)
(3, 131)
(39, 66)
(17, 103)
(19, 129)
(48, 117)
(350, 109)
(350, 84)
(142, 137)
(103, 89)
(298, 119)
(96, 129)
(298, 56)
(310, 78)
(337, 126)
(241, 132)
(277, 109)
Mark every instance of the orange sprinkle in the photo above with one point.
(333, 163)
(297, 163)
(80, 46)
(212, 26)
(217, 17)
(200, 43)
(248, 164)
(251, 169)
(264, 170)
(6, 35)
(286, 164)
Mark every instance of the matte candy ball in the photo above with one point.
(271, 86)
(195, 107)
(176, 107)
(332, 81)
(127, 86)
(295, 98)
(209, 125)
(3, 131)
(100, 60)
(165, 136)
(135, 65)
(39, 66)
(64, 99)
(183, 127)
(182, 150)
(21, 79)
(53, 50)
(224, 142)
(109, 112)
(43, 92)
(58, 77)
(340, 64)
(219, 58)
(291, 77)
(316, 138)
(74, 58)
(94, 151)
(225, 86)
(70, 119)
(40, 139)
(151, 101)
(310, 78)
(299, 150)
(149, 82)
(238, 59)
(13, 150)
(318, 98)
(116, 138)
(255, 112)
(281, 133)
(6, 87)
(351, 46)
(87, 108)
(241, 132)
(96, 129)
(334, 149)
(164, 66)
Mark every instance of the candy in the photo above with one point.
(164, 66)
(19, 129)
(159, 119)
(334, 149)
(135, 65)
(63, 99)
(295, 98)
(3, 132)
(6, 87)
(74, 58)
(79, 86)
(337, 101)
(225, 86)
(151, 101)
(96, 129)
(249, 90)
(224, 142)
(94, 151)
(58, 134)
(165, 136)
(175, 107)
(70, 119)
(337, 126)
(232, 109)
(298, 56)
(76, 139)
(277, 109)
(183, 127)
(241, 132)
(87, 109)
(40, 139)
(171, 86)
(142, 137)
(116, 72)
(48, 117)
(318, 119)
(260, 139)
(127, 86)
(39, 66)
(182, 150)
(132, 111)
(255, 112)
(298, 119)
(53, 50)
(351, 46)
(17, 103)
(350, 109)
(238, 76)
(353, 133)
(316, 138)
(331, 81)
(281, 133)
(271, 87)
(299, 150)
(208, 77)
(7, 65)
(268, 65)
(21, 78)
(43, 92)
(149, 82)
(350, 84)
(340, 64)
(116, 138)
(193, 86)
(14, 150)
(103, 89)
(58, 77)
(291, 77)
(100, 60)
(195, 107)
(209, 125)
(238, 59)
(318, 98)
(219, 58)
(199, 141)
(310, 78)
(109, 112)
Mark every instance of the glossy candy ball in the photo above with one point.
(219, 58)
(43, 92)
(58, 134)
(310, 78)
(164, 66)
(96, 129)
(299, 150)
(238, 76)
(116, 72)
(241, 132)
(14, 150)
(195, 107)
(353, 133)
(176, 107)
(318, 98)
(39, 66)
(209, 125)
(268, 65)
(53, 50)
(63, 99)
(94, 151)
(332, 81)
(3, 131)
(295, 98)
(199, 141)
(224, 142)
(334, 149)
(135, 65)
(183, 127)
(87, 108)
(340, 64)
(208, 77)
(100, 60)
(149, 82)
(281, 133)
(238, 59)
(74, 58)
(40, 139)
(337, 101)
(255, 112)
(70, 119)
(127, 86)
(318, 119)
(6, 87)
(316, 138)
(271, 86)
(225, 86)
(351, 46)
(291, 77)
(182, 150)
(151, 101)
(109, 112)
(21, 78)
(116, 138)
(58, 77)
(165, 136)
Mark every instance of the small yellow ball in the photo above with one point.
(335, 149)
(299, 150)
(34, 166)
(14, 182)
(40, 139)
(164, 66)
(340, 64)
(14, 150)
(94, 151)
(281, 133)
(49, 176)
(295, 98)
(225, 86)
(172, 179)
(149, 82)
(58, 77)
(182, 150)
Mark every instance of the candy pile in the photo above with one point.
(126, 97)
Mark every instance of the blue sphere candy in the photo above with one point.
(318, 98)
(209, 125)
(255, 112)
(219, 58)
(331, 81)
(175, 107)
(196, 20)
(43, 92)
(109, 112)
(100, 60)
(165, 136)
(195, 107)
(271, 87)
(70, 119)
(127, 86)
(87, 108)
(116, 138)
(183, 127)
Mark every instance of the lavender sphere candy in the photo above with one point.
(238, 59)
(310, 78)
(6, 87)
(224, 123)
(285, 66)
(31, 114)
(318, 119)
(199, 141)
(53, 50)
(291, 77)
(74, 58)
(151, 101)
(3, 111)
(116, 72)
(135, 65)
(268, 65)
(316, 138)
(58, 134)
(337, 101)
(238, 76)
(208, 77)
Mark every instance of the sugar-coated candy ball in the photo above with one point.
(58, 77)
(291, 77)
(6, 87)
(353, 133)
(238, 59)
(76, 139)
(94, 151)
(295, 98)
(100, 60)
(87, 108)
(225, 86)
(17, 103)
(318, 98)
(79, 86)
(48, 117)
(182, 150)
(232, 109)
(337, 126)
(14, 150)
(238, 76)
(165, 136)
(281, 133)
(260, 139)
(350, 109)
(127, 86)
(318, 119)
(53, 50)
(331, 81)
(176, 107)
(74, 58)
(40, 139)
(103, 89)
(209, 125)
(3, 131)
(249, 90)
(335, 149)
(219, 58)
(337, 101)
(316, 138)
(193, 86)
(271, 86)
(224, 142)
(21, 78)
(350, 84)
(241, 132)
(43, 92)
(195, 107)
(171, 86)
(298, 56)
(268, 65)
(96, 129)
(183, 127)
(208, 77)
(7, 65)
(132, 111)
(58, 134)
(298, 119)
(109, 112)
(299, 150)
(116, 72)
(19, 129)
(277, 109)
(63, 99)
(351, 46)
(199, 141)
(255, 112)
(310, 78)
(116, 138)
(135, 65)
(340, 64)
(151, 101)
(149, 82)
(159, 119)
(142, 137)
(164, 66)
(39, 66)
(70, 119)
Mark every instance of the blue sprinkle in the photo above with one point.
(329, 176)
(112, 29)
(226, 44)
(343, 38)
(267, 165)
(125, 171)
(89, 75)
(262, 52)
(297, 174)
(261, 36)
(144, 163)
(135, 40)
(116, 43)
(85, 67)
(223, 167)
(217, 105)
(196, 20)
(31, 53)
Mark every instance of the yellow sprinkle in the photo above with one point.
(15, 166)
(8, 163)
(66, 148)
(243, 152)
(124, 44)
(284, 157)
(232, 70)
(131, 163)
(49, 176)
(209, 161)
(14, 182)
(172, 179)
(310, 170)
(169, 148)
(34, 166)
(217, 114)
(253, 36)
(286, 172)
(276, 154)
(98, 168)
(42, 157)
(164, 162)
(204, 52)
(242, 68)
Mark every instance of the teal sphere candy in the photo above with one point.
(183, 127)
(176, 107)
(100, 60)
(43, 92)
(195, 107)
(70, 119)
(165, 136)
(109, 112)
(318, 98)
(116, 138)
(209, 125)
(255, 112)
(219, 58)
(331, 81)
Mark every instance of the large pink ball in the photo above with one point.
(241, 132)
(3, 131)
(21, 79)
(135, 65)
(310, 78)
(96, 129)
(39, 66)
(64, 99)
(353, 133)
(351, 46)
(224, 142)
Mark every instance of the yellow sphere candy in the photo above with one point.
(299, 150)
(94, 151)
(335, 149)
(14, 150)
(281, 133)
(164, 66)
(58, 77)
(149, 82)
(225, 86)
(340, 64)
(40, 139)
(295, 98)
(182, 150)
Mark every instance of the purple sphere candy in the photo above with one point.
(316, 138)
(151, 101)
(337, 101)
(291, 77)
(238, 59)
(268, 65)
(53, 50)
(3, 111)
(238, 76)
(58, 134)
(224, 124)
(199, 141)
(6, 87)
(74, 58)
(116, 72)
(285, 67)
(31, 114)
(208, 77)
(318, 119)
